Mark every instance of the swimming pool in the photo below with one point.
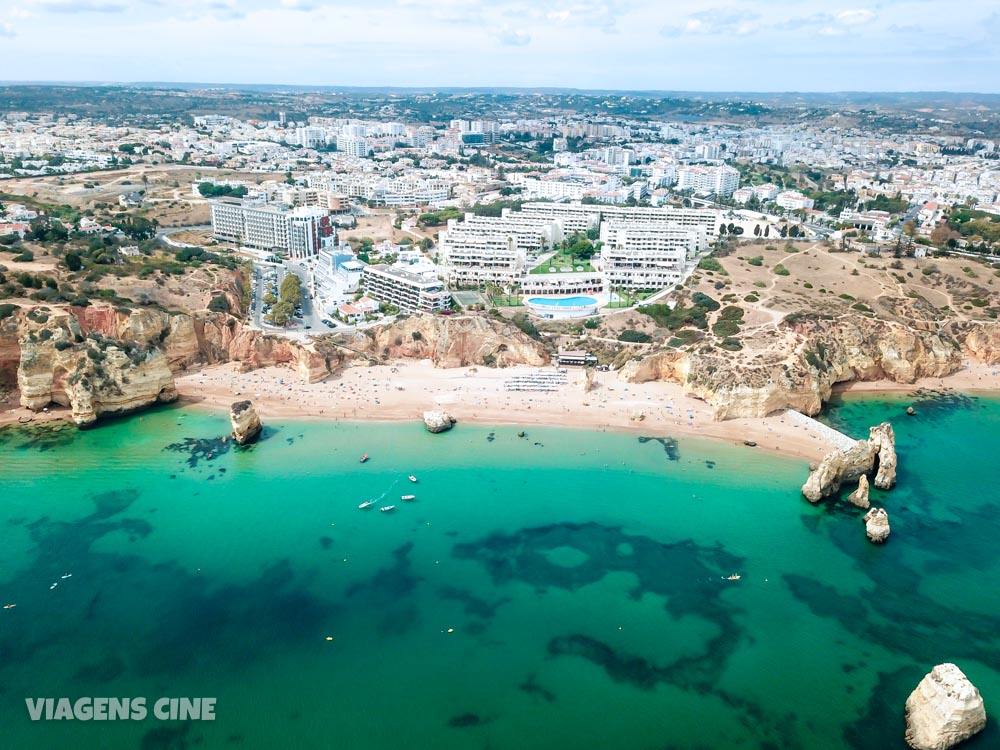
(563, 302)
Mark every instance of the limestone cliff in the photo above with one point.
(943, 710)
(92, 376)
(453, 342)
(852, 463)
(807, 358)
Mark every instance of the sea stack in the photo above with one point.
(943, 710)
(883, 441)
(245, 421)
(860, 496)
(877, 525)
(847, 464)
(438, 421)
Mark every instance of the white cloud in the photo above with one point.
(715, 21)
(80, 6)
(6, 29)
(513, 37)
(302, 5)
(855, 17)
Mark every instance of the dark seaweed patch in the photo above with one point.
(669, 446)
(201, 449)
(464, 721)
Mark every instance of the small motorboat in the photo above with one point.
(364, 458)
(366, 504)
(733, 577)
(387, 508)
(408, 497)
(413, 478)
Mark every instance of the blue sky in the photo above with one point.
(734, 45)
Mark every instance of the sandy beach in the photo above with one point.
(404, 390)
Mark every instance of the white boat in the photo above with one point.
(366, 504)
(408, 497)
(413, 478)
(387, 508)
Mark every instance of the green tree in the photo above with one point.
(73, 262)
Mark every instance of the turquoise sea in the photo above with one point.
(564, 590)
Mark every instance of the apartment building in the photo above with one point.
(410, 291)
(721, 181)
(638, 256)
(292, 232)
(483, 248)
(792, 200)
(385, 191)
(576, 217)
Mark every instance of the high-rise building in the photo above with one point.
(292, 232)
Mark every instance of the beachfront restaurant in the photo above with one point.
(577, 358)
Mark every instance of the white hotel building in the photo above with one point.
(482, 248)
(292, 232)
(643, 248)
(638, 256)
(721, 181)
(408, 290)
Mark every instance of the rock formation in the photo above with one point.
(456, 341)
(92, 377)
(860, 496)
(943, 710)
(438, 421)
(877, 525)
(882, 439)
(246, 422)
(805, 359)
(847, 464)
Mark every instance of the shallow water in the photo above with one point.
(583, 577)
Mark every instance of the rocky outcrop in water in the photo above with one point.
(882, 440)
(848, 464)
(860, 496)
(877, 525)
(944, 710)
(245, 421)
(804, 360)
(438, 421)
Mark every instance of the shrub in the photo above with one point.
(760, 284)
(807, 285)
(710, 264)
(417, 336)
(26, 257)
(847, 297)
(525, 325)
(62, 345)
(780, 270)
(634, 337)
(751, 298)
(726, 328)
(7, 310)
(731, 345)
(757, 260)
(592, 323)
(219, 304)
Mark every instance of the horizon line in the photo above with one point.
(489, 88)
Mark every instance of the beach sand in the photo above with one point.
(403, 390)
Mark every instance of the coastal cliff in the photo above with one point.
(92, 376)
(454, 342)
(810, 356)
